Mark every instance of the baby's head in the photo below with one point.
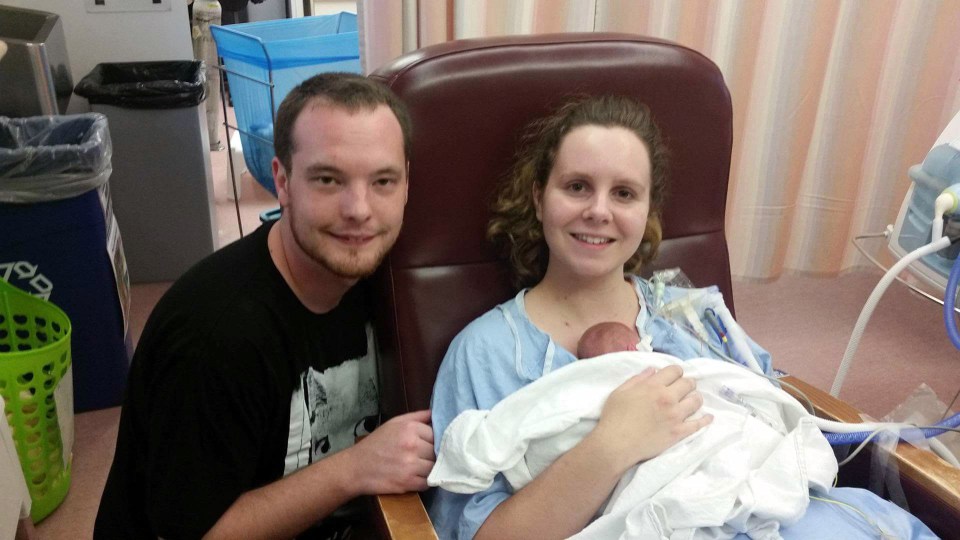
(606, 337)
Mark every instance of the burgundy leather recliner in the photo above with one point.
(469, 101)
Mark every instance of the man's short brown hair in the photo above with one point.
(345, 90)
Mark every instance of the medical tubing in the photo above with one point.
(840, 434)
(856, 451)
(738, 338)
(716, 332)
(873, 524)
(936, 447)
(949, 299)
(871, 304)
(718, 329)
(945, 202)
(805, 403)
(941, 450)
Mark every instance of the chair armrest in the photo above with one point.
(399, 517)
(402, 517)
(931, 485)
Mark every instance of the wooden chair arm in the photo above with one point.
(931, 485)
(398, 517)
(402, 517)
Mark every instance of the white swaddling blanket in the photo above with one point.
(748, 471)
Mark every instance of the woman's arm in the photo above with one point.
(642, 418)
(561, 501)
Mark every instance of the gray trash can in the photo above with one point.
(35, 73)
(162, 187)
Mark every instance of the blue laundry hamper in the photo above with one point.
(59, 241)
(265, 60)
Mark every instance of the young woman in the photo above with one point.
(579, 214)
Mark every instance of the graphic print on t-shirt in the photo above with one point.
(331, 408)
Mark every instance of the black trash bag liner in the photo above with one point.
(49, 158)
(145, 85)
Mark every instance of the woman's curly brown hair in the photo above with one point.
(514, 227)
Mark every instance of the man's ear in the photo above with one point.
(280, 182)
(406, 185)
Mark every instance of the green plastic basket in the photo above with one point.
(34, 358)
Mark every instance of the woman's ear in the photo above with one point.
(652, 236)
(538, 201)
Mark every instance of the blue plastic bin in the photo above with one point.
(284, 52)
(54, 217)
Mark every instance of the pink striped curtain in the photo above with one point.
(833, 100)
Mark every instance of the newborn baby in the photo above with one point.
(607, 337)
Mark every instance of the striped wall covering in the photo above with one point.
(833, 100)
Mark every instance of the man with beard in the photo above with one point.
(258, 367)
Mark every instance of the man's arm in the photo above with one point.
(395, 458)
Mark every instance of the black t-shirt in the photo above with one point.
(234, 384)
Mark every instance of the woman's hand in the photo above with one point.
(648, 414)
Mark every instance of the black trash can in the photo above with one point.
(162, 186)
(145, 85)
(60, 242)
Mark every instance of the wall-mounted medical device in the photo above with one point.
(939, 170)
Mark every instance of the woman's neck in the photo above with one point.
(587, 293)
(565, 306)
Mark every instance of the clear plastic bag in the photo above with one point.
(49, 158)
(924, 408)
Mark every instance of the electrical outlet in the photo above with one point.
(116, 6)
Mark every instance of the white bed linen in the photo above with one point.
(748, 471)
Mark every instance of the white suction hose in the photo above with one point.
(941, 450)
(872, 302)
(945, 203)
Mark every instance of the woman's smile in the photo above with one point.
(594, 241)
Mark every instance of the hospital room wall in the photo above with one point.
(93, 38)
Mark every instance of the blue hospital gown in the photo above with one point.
(502, 351)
